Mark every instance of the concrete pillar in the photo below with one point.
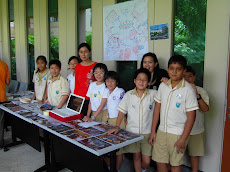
(5, 33)
(67, 12)
(41, 28)
(21, 40)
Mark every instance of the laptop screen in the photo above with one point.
(75, 102)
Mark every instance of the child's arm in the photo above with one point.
(180, 144)
(34, 97)
(100, 108)
(63, 101)
(156, 114)
(202, 105)
(87, 117)
(44, 96)
(115, 130)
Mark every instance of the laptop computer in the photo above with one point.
(73, 108)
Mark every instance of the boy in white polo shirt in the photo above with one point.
(176, 104)
(57, 87)
(138, 104)
(115, 96)
(196, 143)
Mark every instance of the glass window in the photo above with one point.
(189, 34)
(88, 26)
(54, 29)
(12, 40)
(30, 42)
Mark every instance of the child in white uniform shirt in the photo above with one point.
(115, 96)
(73, 61)
(57, 86)
(138, 104)
(196, 143)
(98, 94)
(176, 104)
(40, 78)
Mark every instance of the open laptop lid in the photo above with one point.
(75, 103)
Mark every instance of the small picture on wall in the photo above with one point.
(159, 31)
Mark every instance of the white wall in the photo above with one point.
(215, 80)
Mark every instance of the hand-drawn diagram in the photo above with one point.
(125, 30)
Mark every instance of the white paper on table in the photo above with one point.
(88, 124)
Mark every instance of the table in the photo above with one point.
(66, 144)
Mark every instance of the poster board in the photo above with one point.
(125, 31)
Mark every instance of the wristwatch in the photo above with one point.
(198, 98)
(93, 117)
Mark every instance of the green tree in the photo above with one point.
(189, 34)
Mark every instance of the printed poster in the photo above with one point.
(125, 29)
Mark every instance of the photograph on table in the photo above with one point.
(69, 132)
(60, 128)
(91, 131)
(9, 105)
(95, 143)
(126, 135)
(103, 127)
(22, 112)
(79, 135)
(16, 108)
(111, 138)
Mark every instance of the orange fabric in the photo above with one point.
(4, 74)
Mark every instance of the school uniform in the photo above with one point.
(71, 81)
(40, 82)
(139, 118)
(96, 93)
(112, 103)
(56, 89)
(196, 143)
(175, 103)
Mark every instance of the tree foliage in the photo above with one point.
(190, 23)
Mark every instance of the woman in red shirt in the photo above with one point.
(84, 74)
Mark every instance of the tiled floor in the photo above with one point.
(23, 158)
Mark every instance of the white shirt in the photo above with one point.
(139, 110)
(198, 126)
(71, 81)
(56, 89)
(96, 93)
(113, 101)
(175, 103)
(40, 86)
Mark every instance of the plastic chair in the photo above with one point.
(23, 86)
(13, 86)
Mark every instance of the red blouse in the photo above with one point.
(83, 77)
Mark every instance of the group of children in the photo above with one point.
(175, 104)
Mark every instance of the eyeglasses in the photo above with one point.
(83, 52)
(142, 80)
(73, 64)
(98, 73)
